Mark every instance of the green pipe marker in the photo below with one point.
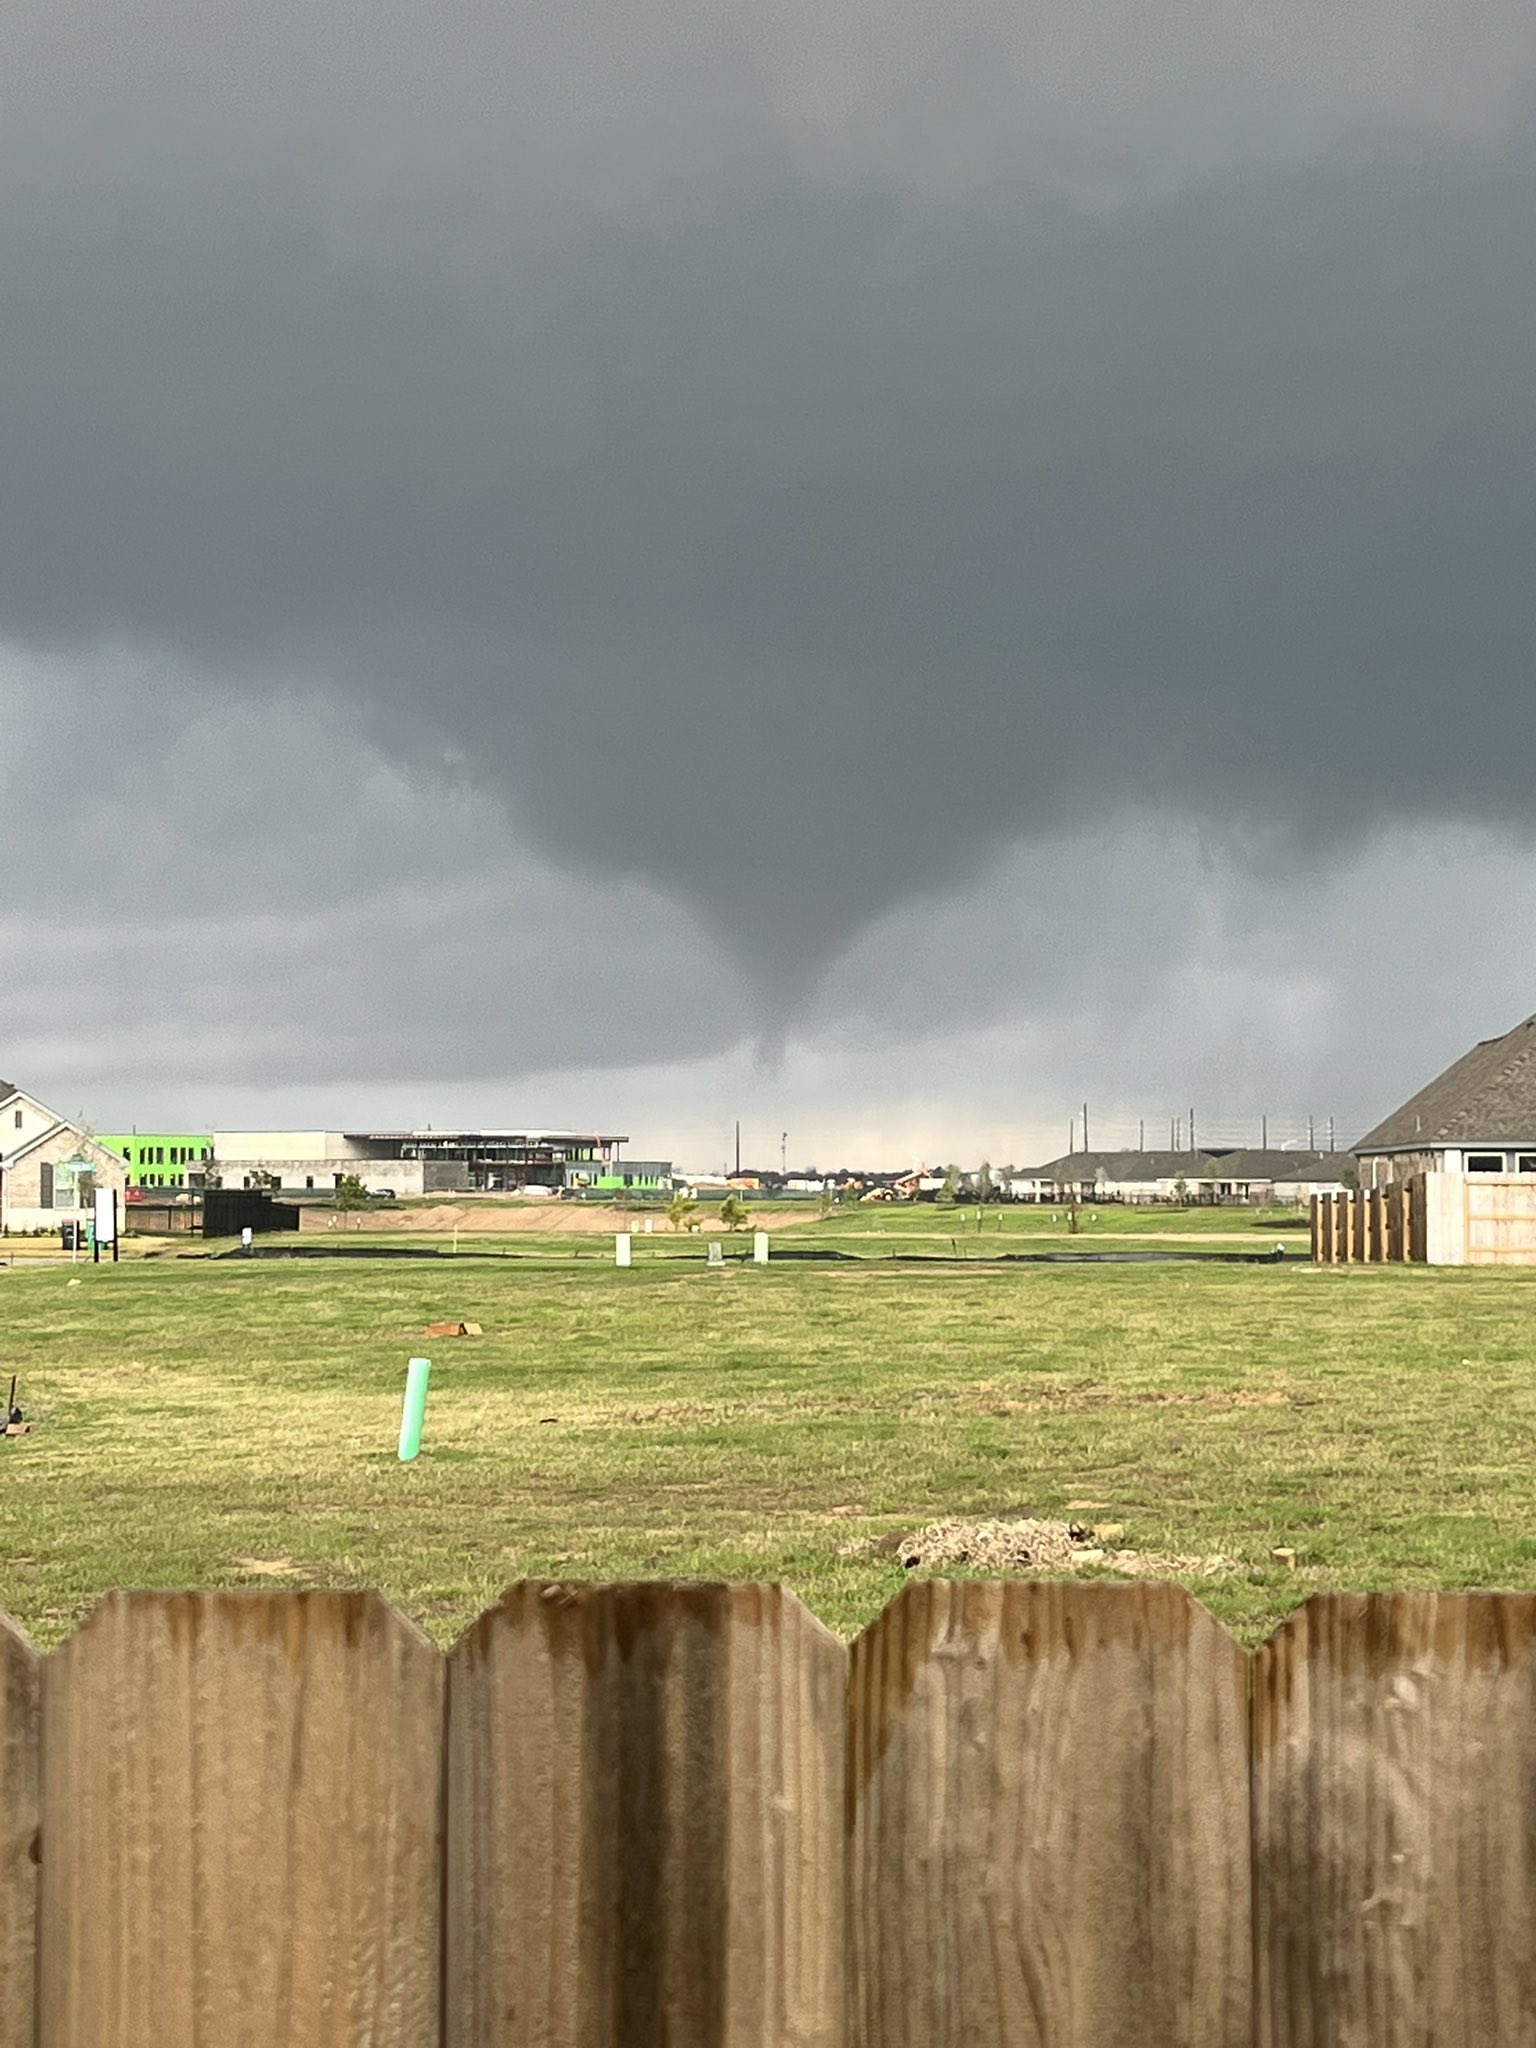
(415, 1412)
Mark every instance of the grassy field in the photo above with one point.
(205, 1423)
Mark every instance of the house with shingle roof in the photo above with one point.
(1124, 1176)
(1271, 1174)
(1479, 1116)
(49, 1167)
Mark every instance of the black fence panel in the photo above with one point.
(228, 1211)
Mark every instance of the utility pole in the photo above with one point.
(1192, 1130)
(738, 1148)
(1141, 1135)
(1085, 1127)
(784, 1153)
(1330, 1134)
(1311, 1135)
(1264, 1133)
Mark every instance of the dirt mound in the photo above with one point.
(1034, 1546)
(515, 1219)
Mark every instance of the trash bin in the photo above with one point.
(71, 1238)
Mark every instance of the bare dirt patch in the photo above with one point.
(1040, 1546)
(517, 1219)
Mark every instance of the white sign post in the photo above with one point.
(621, 1249)
(759, 1247)
(106, 1222)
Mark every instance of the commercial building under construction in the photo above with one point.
(426, 1162)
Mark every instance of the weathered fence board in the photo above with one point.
(1370, 1226)
(241, 1826)
(645, 1833)
(1024, 1815)
(19, 1848)
(1395, 1823)
(1049, 1809)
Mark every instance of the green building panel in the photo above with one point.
(161, 1159)
(638, 1177)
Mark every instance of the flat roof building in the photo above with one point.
(162, 1159)
(417, 1162)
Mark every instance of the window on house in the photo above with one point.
(1526, 1163)
(309, 1180)
(18, 1124)
(45, 1186)
(1485, 1162)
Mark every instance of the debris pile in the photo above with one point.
(1027, 1545)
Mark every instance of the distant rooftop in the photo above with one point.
(1128, 1165)
(1273, 1163)
(469, 1137)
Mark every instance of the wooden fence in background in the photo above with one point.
(1014, 1815)
(1370, 1227)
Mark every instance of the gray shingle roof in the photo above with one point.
(1082, 1166)
(1276, 1164)
(1488, 1095)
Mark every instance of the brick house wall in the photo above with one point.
(29, 1200)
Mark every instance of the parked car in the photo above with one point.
(382, 1194)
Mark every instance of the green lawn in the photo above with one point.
(203, 1423)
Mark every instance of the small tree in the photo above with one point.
(1181, 1192)
(734, 1213)
(824, 1203)
(349, 1193)
(986, 1187)
(951, 1188)
(680, 1210)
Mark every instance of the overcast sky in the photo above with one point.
(880, 570)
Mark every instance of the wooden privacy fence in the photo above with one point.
(1370, 1226)
(1014, 1815)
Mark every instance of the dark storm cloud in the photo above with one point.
(257, 900)
(764, 484)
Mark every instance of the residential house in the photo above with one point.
(1126, 1176)
(1272, 1175)
(49, 1167)
(1479, 1116)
